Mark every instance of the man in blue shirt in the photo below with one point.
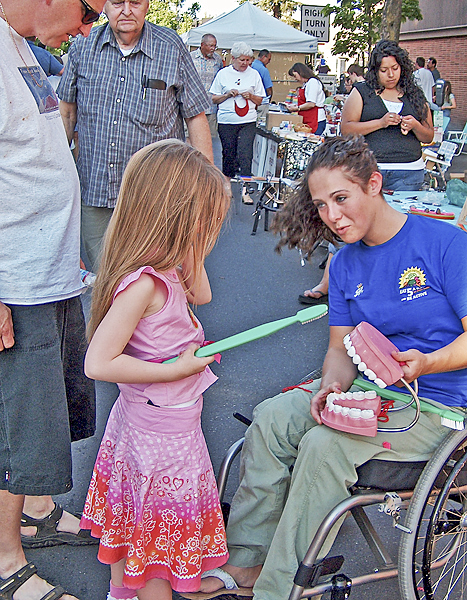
(49, 63)
(260, 65)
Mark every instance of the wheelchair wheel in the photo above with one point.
(433, 556)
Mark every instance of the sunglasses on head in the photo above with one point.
(90, 15)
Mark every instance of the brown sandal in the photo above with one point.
(47, 534)
(10, 585)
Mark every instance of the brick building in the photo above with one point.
(442, 33)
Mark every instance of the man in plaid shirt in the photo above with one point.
(208, 63)
(130, 83)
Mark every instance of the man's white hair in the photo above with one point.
(241, 49)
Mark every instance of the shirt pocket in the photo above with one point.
(153, 106)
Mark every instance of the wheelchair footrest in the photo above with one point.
(308, 576)
(341, 587)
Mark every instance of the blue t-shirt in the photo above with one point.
(48, 62)
(413, 289)
(257, 65)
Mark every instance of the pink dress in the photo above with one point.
(153, 498)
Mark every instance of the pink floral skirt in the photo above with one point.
(153, 498)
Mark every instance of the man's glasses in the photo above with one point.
(90, 15)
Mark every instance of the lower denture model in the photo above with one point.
(353, 412)
(357, 412)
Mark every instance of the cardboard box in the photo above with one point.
(275, 119)
(460, 176)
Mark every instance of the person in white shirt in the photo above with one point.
(237, 90)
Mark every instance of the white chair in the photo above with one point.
(460, 138)
(437, 163)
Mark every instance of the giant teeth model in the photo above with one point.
(353, 412)
(371, 351)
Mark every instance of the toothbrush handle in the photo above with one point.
(391, 395)
(241, 338)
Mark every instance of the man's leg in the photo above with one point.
(212, 121)
(12, 557)
(94, 222)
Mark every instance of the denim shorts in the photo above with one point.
(402, 180)
(45, 399)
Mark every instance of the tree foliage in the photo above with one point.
(283, 11)
(172, 14)
(358, 23)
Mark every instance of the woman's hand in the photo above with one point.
(318, 402)
(188, 364)
(408, 123)
(413, 363)
(389, 119)
(232, 93)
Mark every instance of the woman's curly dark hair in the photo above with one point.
(299, 223)
(406, 83)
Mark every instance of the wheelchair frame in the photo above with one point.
(432, 559)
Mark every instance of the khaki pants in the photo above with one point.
(275, 514)
(94, 222)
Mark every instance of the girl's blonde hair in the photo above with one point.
(171, 199)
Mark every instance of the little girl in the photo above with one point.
(153, 499)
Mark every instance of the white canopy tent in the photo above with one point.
(248, 23)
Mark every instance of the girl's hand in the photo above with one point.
(188, 364)
(408, 123)
(413, 363)
(318, 402)
(389, 119)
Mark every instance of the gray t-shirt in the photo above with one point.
(39, 187)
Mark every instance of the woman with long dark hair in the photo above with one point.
(311, 98)
(390, 110)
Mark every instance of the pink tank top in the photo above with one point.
(163, 335)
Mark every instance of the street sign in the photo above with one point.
(314, 23)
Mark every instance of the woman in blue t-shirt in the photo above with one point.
(405, 275)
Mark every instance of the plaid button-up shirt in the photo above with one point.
(207, 69)
(116, 115)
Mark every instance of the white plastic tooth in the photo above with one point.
(370, 374)
(331, 396)
(380, 383)
(362, 367)
(351, 351)
(331, 406)
(367, 414)
(356, 359)
(337, 408)
(346, 339)
(359, 396)
(355, 413)
(347, 344)
(348, 395)
(345, 411)
(340, 396)
(329, 400)
(370, 394)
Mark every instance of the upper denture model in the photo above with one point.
(371, 351)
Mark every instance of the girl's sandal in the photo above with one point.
(10, 585)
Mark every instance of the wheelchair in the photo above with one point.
(432, 555)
